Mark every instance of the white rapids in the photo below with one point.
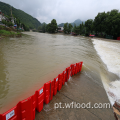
(109, 52)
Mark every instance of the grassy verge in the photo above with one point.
(9, 33)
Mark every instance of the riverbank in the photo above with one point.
(9, 32)
(99, 38)
(80, 89)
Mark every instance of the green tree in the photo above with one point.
(65, 28)
(100, 22)
(80, 28)
(43, 27)
(9, 24)
(69, 28)
(76, 29)
(48, 27)
(53, 26)
(4, 22)
(89, 26)
(26, 28)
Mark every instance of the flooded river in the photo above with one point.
(26, 63)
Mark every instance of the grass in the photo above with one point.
(9, 33)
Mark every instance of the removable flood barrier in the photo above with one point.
(25, 110)
(47, 92)
(39, 99)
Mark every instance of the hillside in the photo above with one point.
(76, 22)
(21, 15)
(61, 25)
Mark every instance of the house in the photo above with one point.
(60, 29)
(2, 17)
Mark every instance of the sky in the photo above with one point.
(64, 10)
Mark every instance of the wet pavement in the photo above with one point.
(79, 89)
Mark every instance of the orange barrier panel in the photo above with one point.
(39, 99)
(55, 85)
(47, 92)
(51, 90)
(11, 114)
(25, 109)
(60, 81)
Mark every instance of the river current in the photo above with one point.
(28, 62)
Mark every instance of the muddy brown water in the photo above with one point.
(28, 62)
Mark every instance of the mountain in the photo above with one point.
(25, 18)
(61, 25)
(76, 22)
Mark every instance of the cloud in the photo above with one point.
(64, 10)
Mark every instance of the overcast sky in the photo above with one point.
(64, 10)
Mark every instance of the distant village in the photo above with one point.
(9, 21)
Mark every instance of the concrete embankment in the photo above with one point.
(80, 89)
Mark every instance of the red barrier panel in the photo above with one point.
(39, 99)
(69, 72)
(51, 90)
(55, 85)
(60, 76)
(47, 92)
(73, 66)
(25, 109)
(64, 76)
(76, 68)
(118, 38)
(11, 114)
(72, 70)
(33, 106)
(80, 66)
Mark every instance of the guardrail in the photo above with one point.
(25, 109)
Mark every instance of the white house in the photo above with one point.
(0, 16)
(60, 29)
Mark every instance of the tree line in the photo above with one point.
(104, 24)
(51, 27)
